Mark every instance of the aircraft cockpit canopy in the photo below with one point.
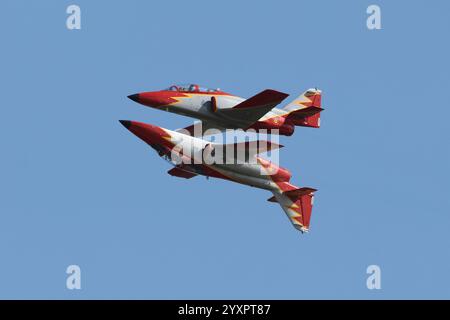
(190, 88)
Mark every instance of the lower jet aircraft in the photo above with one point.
(190, 155)
(221, 110)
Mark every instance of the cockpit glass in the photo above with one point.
(190, 88)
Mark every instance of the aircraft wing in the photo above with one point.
(241, 116)
(178, 172)
(297, 204)
(202, 127)
(247, 149)
(251, 110)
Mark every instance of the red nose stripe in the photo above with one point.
(159, 98)
(149, 133)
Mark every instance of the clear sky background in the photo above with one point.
(77, 188)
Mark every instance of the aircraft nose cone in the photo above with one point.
(145, 131)
(134, 97)
(156, 99)
(125, 123)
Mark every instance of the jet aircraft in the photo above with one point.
(220, 110)
(192, 156)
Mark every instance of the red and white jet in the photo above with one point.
(193, 156)
(220, 110)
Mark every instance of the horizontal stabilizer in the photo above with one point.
(306, 112)
(294, 194)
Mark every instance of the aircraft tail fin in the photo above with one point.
(297, 204)
(305, 110)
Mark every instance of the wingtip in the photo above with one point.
(279, 94)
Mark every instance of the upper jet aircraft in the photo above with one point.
(220, 110)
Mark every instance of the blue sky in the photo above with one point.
(77, 188)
